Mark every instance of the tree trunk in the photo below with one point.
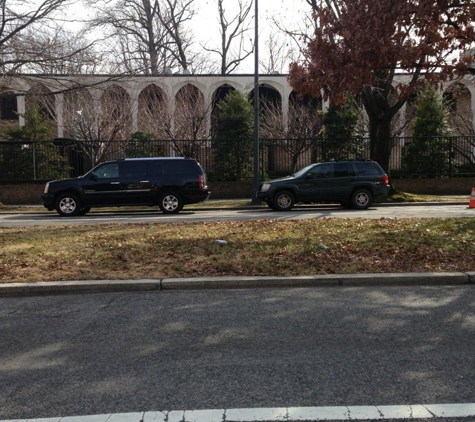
(377, 103)
(380, 139)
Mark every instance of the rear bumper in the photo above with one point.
(195, 197)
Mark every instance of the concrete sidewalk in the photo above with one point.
(201, 283)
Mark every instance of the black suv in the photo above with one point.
(169, 183)
(351, 183)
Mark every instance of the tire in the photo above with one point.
(68, 205)
(283, 201)
(270, 204)
(170, 203)
(361, 199)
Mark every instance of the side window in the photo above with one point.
(177, 167)
(367, 169)
(343, 170)
(136, 170)
(321, 171)
(107, 171)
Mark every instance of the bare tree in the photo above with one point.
(293, 136)
(146, 36)
(281, 51)
(101, 132)
(190, 130)
(30, 37)
(56, 51)
(294, 35)
(232, 50)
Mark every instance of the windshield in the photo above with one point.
(303, 171)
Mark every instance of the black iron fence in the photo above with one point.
(227, 160)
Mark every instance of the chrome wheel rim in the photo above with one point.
(67, 205)
(170, 203)
(362, 199)
(284, 201)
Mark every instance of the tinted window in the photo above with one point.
(321, 171)
(172, 167)
(343, 170)
(107, 171)
(367, 169)
(135, 170)
(177, 167)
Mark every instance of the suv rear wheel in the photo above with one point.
(170, 203)
(67, 205)
(283, 200)
(361, 199)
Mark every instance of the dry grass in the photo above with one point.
(264, 247)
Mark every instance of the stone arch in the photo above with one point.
(116, 119)
(178, 87)
(304, 116)
(41, 97)
(191, 113)
(270, 105)
(8, 105)
(79, 114)
(460, 100)
(218, 95)
(267, 93)
(153, 115)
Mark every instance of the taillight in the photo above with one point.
(201, 181)
(385, 180)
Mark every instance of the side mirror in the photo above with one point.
(94, 177)
(309, 176)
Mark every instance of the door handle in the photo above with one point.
(115, 183)
(144, 181)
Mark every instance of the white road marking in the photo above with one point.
(336, 413)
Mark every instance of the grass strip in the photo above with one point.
(263, 247)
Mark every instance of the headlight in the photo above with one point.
(46, 188)
(265, 186)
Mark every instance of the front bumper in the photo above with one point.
(48, 201)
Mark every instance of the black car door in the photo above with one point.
(343, 181)
(103, 185)
(137, 185)
(315, 185)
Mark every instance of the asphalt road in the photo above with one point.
(214, 349)
(191, 215)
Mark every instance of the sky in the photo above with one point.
(206, 26)
(288, 11)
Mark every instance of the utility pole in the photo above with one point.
(255, 200)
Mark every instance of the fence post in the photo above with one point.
(34, 161)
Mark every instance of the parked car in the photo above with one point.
(169, 183)
(352, 183)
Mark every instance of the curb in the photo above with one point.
(207, 283)
(263, 206)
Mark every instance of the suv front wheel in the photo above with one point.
(170, 203)
(361, 199)
(283, 201)
(67, 205)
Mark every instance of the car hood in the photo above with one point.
(67, 181)
(280, 179)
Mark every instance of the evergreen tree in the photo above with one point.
(32, 146)
(233, 145)
(142, 145)
(340, 128)
(428, 153)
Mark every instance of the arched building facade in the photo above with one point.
(156, 103)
